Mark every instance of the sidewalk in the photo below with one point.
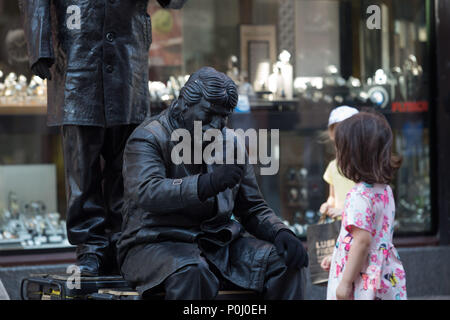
(430, 298)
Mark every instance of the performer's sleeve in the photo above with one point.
(252, 210)
(172, 4)
(145, 180)
(37, 27)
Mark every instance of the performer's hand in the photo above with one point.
(223, 177)
(287, 244)
(226, 176)
(41, 68)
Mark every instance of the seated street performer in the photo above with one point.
(190, 230)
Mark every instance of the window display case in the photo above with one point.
(32, 199)
(28, 208)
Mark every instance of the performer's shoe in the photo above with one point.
(89, 265)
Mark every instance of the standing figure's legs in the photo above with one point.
(82, 147)
(112, 152)
(94, 193)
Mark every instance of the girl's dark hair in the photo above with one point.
(364, 149)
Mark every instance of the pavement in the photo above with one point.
(430, 298)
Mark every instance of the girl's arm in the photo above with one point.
(333, 211)
(329, 204)
(330, 200)
(357, 257)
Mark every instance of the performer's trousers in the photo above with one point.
(93, 159)
(202, 281)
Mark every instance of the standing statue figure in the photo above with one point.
(94, 54)
(191, 229)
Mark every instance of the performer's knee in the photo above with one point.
(195, 281)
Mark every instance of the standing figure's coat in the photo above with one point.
(100, 70)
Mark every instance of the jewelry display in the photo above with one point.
(31, 227)
(15, 90)
(398, 84)
(164, 92)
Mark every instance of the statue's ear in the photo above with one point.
(183, 106)
(179, 110)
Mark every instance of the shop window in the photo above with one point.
(32, 196)
(336, 59)
(340, 56)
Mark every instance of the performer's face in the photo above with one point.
(212, 116)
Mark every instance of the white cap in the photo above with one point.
(340, 114)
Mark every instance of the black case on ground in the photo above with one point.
(61, 286)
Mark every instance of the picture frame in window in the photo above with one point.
(258, 52)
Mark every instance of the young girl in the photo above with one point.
(365, 264)
(339, 185)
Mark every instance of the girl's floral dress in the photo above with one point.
(371, 208)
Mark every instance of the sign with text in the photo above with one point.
(410, 106)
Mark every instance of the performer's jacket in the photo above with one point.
(100, 50)
(162, 204)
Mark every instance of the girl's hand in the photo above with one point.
(326, 263)
(334, 212)
(344, 291)
(324, 208)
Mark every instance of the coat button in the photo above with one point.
(177, 182)
(109, 68)
(110, 36)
